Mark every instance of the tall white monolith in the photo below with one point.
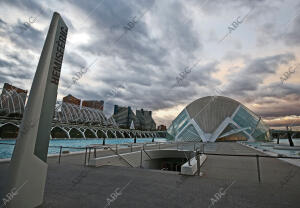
(28, 166)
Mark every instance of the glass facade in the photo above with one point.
(178, 124)
(249, 123)
(261, 132)
(189, 134)
(245, 118)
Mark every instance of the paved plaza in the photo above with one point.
(226, 182)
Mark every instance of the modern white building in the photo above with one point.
(217, 118)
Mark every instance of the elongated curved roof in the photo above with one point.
(210, 111)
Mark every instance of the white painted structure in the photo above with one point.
(132, 125)
(191, 169)
(28, 167)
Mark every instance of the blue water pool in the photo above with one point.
(6, 150)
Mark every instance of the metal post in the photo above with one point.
(189, 159)
(141, 164)
(103, 143)
(198, 162)
(289, 136)
(60, 154)
(117, 148)
(131, 147)
(258, 169)
(95, 152)
(89, 155)
(85, 156)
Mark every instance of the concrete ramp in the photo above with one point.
(153, 159)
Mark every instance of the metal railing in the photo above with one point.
(198, 150)
(257, 156)
(141, 147)
(94, 148)
(65, 147)
(60, 149)
(7, 143)
(147, 154)
(121, 157)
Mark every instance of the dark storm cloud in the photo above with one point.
(14, 75)
(214, 7)
(22, 38)
(4, 77)
(75, 60)
(276, 100)
(288, 31)
(265, 31)
(137, 46)
(202, 75)
(30, 39)
(252, 76)
(21, 62)
(2, 23)
(146, 58)
(4, 63)
(291, 123)
(293, 38)
(3, 28)
(148, 66)
(281, 111)
(150, 56)
(27, 5)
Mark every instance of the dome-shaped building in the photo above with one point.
(217, 118)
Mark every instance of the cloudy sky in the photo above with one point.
(236, 48)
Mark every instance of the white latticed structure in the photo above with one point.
(12, 102)
(71, 113)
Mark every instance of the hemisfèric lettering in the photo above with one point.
(59, 53)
